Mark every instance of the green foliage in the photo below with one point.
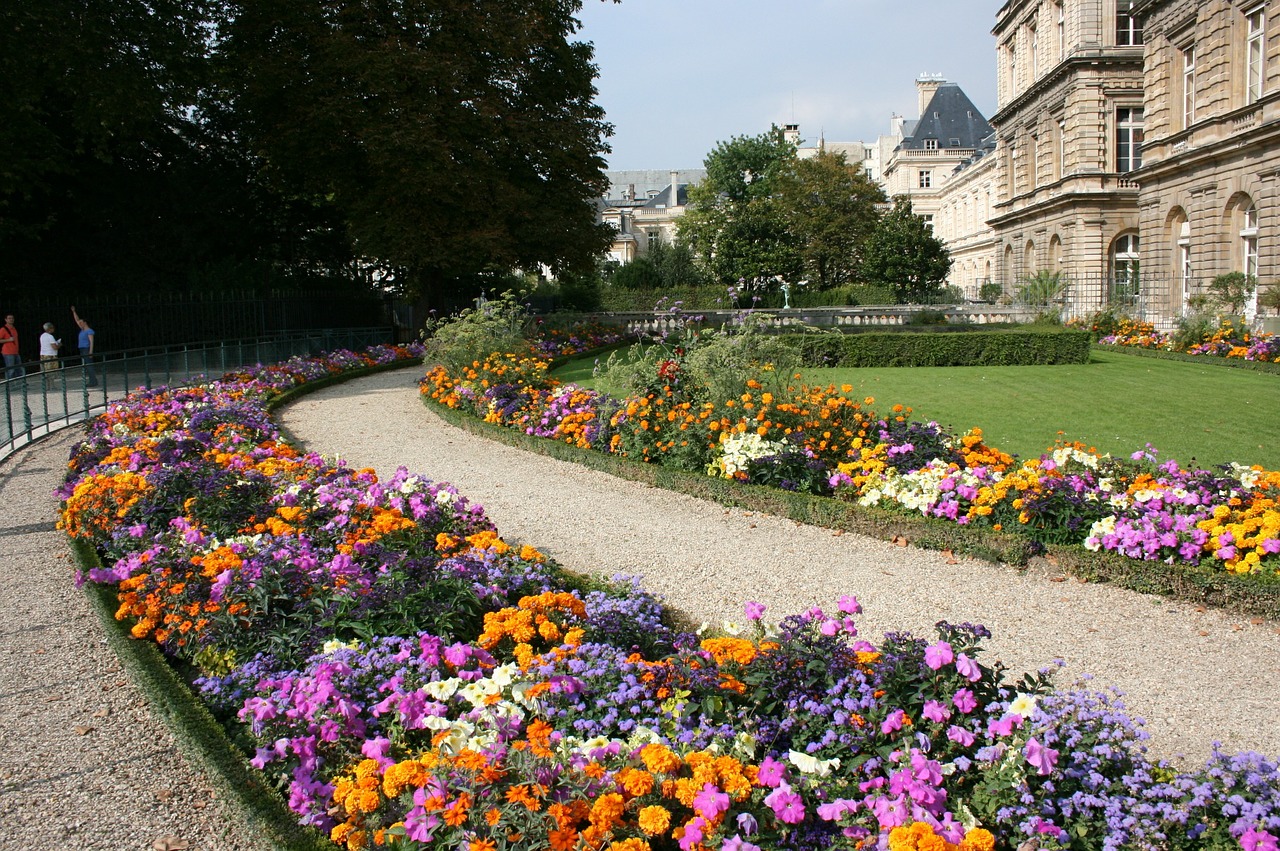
(1230, 293)
(902, 253)
(723, 361)
(1041, 289)
(990, 291)
(1269, 298)
(945, 348)
(871, 294)
(677, 266)
(579, 292)
(639, 274)
(1192, 330)
(830, 209)
(734, 222)
(1105, 322)
(473, 334)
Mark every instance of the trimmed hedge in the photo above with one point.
(1028, 347)
(1246, 595)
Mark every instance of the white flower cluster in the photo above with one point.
(495, 701)
(919, 489)
(738, 450)
(1063, 454)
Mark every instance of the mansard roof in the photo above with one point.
(951, 119)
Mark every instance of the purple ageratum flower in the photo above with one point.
(939, 654)
(1041, 757)
(968, 668)
(754, 610)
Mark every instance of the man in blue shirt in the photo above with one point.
(85, 343)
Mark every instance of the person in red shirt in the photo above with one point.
(9, 348)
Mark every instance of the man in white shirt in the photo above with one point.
(49, 346)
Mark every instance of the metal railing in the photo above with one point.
(69, 391)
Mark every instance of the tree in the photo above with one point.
(830, 210)
(451, 137)
(902, 253)
(734, 222)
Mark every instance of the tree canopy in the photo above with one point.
(903, 253)
(152, 144)
(763, 213)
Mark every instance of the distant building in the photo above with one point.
(642, 207)
(949, 132)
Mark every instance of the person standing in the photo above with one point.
(49, 346)
(85, 343)
(9, 348)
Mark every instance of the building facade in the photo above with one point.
(1211, 156)
(643, 209)
(1069, 124)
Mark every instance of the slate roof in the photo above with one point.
(951, 119)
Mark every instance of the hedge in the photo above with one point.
(940, 348)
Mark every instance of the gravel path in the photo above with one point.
(1195, 676)
(84, 763)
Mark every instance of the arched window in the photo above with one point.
(1029, 259)
(1124, 269)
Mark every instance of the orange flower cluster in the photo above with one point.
(658, 424)
(531, 619)
(920, 836)
(975, 453)
(101, 503)
(1245, 524)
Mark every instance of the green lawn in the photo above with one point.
(1117, 403)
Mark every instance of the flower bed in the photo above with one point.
(822, 441)
(1226, 341)
(411, 680)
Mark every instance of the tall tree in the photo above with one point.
(830, 210)
(735, 222)
(451, 136)
(902, 253)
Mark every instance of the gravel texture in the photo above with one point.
(1195, 676)
(84, 764)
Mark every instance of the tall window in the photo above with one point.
(1188, 85)
(1249, 242)
(1128, 138)
(1256, 22)
(1011, 66)
(1062, 148)
(1033, 45)
(653, 238)
(1124, 269)
(1184, 262)
(926, 178)
(1033, 160)
(1061, 16)
(1128, 28)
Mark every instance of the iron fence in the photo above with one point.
(42, 401)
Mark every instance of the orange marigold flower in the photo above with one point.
(654, 820)
(978, 839)
(562, 840)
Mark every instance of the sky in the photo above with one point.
(679, 76)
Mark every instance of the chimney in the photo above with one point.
(926, 85)
(631, 192)
(675, 190)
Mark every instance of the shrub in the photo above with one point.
(475, 333)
